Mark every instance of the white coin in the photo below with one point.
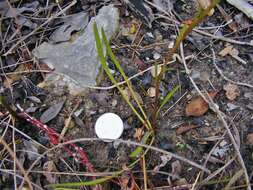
(109, 126)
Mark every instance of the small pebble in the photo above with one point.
(114, 103)
(156, 56)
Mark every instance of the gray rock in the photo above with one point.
(77, 61)
(72, 23)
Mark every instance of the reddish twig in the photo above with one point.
(72, 149)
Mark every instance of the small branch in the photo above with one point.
(26, 178)
(226, 78)
(221, 117)
(39, 27)
(125, 142)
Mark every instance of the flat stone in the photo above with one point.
(76, 61)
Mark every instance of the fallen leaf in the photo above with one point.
(250, 138)
(151, 92)
(78, 121)
(166, 5)
(185, 128)
(227, 50)
(232, 91)
(51, 112)
(198, 106)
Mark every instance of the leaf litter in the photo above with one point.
(136, 54)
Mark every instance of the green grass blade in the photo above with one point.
(168, 97)
(106, 68)
(82, 183)
(137, 152)
(186, 29)
(117, 64)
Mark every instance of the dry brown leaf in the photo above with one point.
(227, 50)
(232, 91)
(138, 133)
(185, 128)
(198, 106)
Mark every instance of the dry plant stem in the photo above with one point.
(15, 157)
(225, 39)
(39, 27)
(215, 173)
(89, 174)
(125, 142)
(221, 117)
(86, 86)
(195, 182)
(66, 126)
(2, 141)
(210, 153)
(182, 35)
(69, 167)
(145, 177)
(20, 177)
(243, 6)
(23, 134)
(173, 104)
(226, 78)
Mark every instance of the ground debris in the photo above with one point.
(232, 91)
(198, 106)
(51, 112)
(77, 60)
(185, 128)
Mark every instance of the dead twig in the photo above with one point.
(221, 116)
(66, 126)
(125, 142)
(39, 27)
(26, 178)
(226, 78)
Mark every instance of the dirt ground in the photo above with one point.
(201, 139)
